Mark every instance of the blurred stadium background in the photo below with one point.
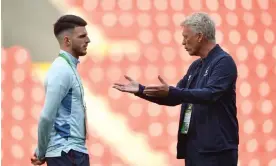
(140, 38)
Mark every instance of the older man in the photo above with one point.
(208, 128)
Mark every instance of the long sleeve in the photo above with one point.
(57, 86)
(221, 80)
(163, 101)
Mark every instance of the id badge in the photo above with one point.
(187, 119)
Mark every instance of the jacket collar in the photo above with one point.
(71, 58)
(212, 54)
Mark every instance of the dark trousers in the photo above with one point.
(72, 158)
(224, 158)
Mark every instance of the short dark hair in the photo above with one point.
(67, 22)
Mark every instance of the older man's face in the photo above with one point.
(191, 41)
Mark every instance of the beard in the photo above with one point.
(78, 51)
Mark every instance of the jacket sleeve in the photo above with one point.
(223, 76)
(57, 86)
(168, 101)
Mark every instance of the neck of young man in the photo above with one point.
(205, 49)
(70, 51)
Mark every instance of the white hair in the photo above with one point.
(201, 23)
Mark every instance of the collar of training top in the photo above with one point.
(72, 59)
(212, 54)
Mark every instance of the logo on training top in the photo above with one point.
(206, 71)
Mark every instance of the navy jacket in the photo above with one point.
(214, 116)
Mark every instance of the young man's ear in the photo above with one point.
(67, 41)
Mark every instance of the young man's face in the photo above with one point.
(80, 41)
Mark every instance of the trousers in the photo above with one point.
(224, 158)
(72, 158)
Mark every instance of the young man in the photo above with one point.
(62, 124)
(208, 127)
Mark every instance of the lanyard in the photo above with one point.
(81, 87)
(81, 90)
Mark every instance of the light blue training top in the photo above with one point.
(62, 121)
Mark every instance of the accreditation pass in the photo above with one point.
(187, 119)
